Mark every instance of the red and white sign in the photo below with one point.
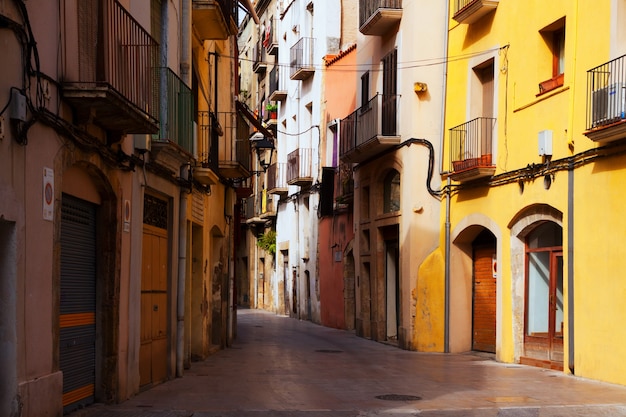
(48, 194)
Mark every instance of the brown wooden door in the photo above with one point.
(484, 300)
(153, 351)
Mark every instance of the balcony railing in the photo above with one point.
(278, 90)
(377, 17)
(470, 11)
(222, 146)
(270, 38)
(344, 191)
(115, 82)
(277, 179)
(215, 19)
(371, 129)
(299, 167)
(259, 64)
(176, 112)
(471, 149)
(301, 61)
(606, 101)
(208, 141)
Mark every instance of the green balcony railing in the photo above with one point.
(176, 111)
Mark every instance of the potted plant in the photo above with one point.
(272, 109)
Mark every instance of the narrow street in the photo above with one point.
(280, 366)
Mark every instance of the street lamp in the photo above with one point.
(261, 144)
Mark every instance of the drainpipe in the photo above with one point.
(570, 212)
(570, 268)
(446, 332)
(182, 213)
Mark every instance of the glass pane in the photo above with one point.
(538, 294)
(558, 317)
(547, 235)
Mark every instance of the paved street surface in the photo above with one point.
(282, 367)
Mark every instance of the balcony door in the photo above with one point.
(390, 81)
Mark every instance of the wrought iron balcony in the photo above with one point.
(278, 90)
(270, 38)
(470, 149)
(301, 59)
(470, 11)
(259, 65)
(299, 167)
(223, 146)
(266, 205)
(176, 125)
(215, 19)
(370, 130)
(207, 168)
(277, 179)
(115, 83)
(378, 17)
(606, 101)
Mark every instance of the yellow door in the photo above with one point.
(154, 293)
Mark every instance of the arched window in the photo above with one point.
(391, 192)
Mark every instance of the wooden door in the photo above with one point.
(484, 300)
(154, 309)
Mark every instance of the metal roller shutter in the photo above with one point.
(78, 301)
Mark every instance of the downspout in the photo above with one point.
(182, 213)
(570, 211)
(446, 333)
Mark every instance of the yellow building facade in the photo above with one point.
(533, 155)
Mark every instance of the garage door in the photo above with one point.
(78, 301)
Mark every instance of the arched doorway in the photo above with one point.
(88, 276)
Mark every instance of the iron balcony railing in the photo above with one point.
(114, 51)
(277, 176)
(461, 4)
(368, 7)
(230, 9)
(471, 144)
(176, 111)
(276, 81)
(208, 140)
(260, 57)
(220, 138)
(379, 117)
(299, 165)
(301, 55)
(606, 93)
(270, 38)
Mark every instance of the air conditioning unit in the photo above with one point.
(608, 104)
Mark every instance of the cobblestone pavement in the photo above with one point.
(284, 367)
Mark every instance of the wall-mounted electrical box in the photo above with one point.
(142, 143)
(545, 143)
(18, 106)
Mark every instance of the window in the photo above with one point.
(554, 37)
(365, 88)
(391, 190)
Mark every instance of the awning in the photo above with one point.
(245, 112)
(250, 8)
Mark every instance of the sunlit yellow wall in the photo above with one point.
(599, 261)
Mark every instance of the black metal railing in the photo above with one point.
(606, 93)
(471, 144)
(378, 117)
(299, 164)
(277, 176)
(368, 7)
(274, 79)
(115, 50)
(301, 55)
(215, 128)
(461, 4)
(176, 108)
(260, 58)
(208, 140)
